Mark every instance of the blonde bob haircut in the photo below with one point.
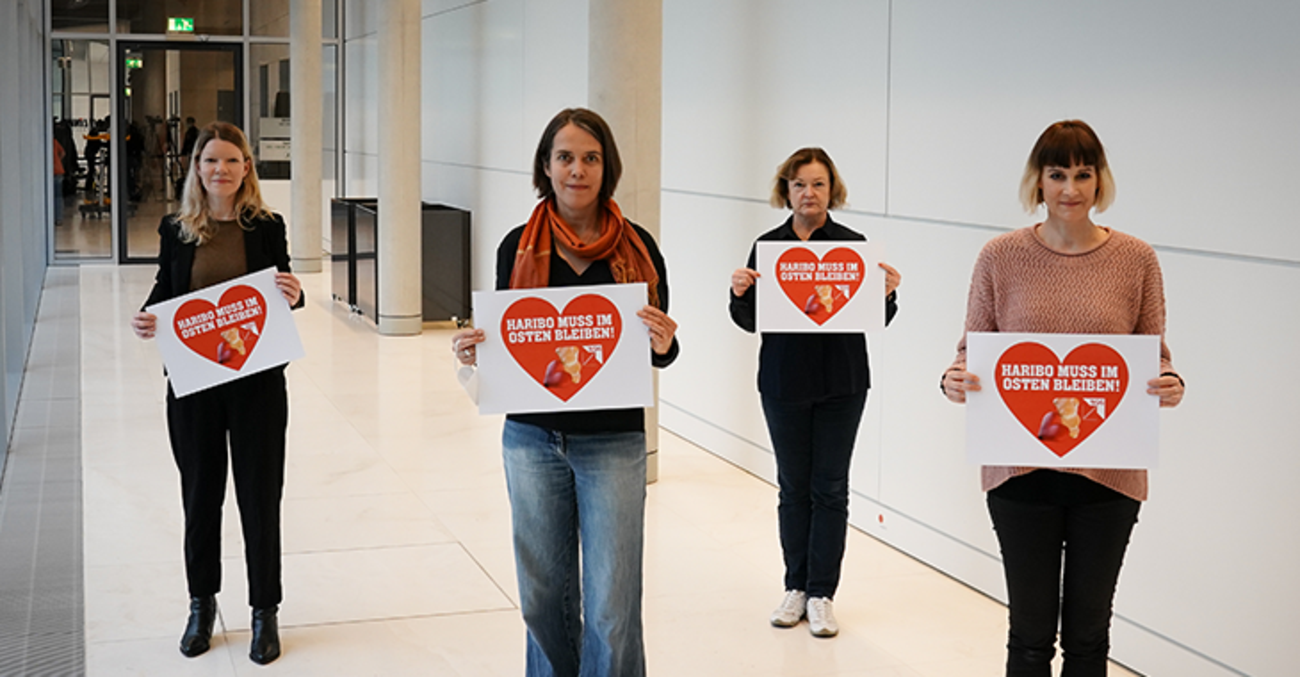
(195, 221)
(790, 168)
(1065, 144)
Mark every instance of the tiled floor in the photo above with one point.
(397, 536)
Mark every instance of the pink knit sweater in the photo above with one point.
(1021, 285)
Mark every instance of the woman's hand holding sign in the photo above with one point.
(463, 342)
(892, 278)
(145, 325)
(742, 279)
(956, 382)
(1168, 387)
(289, 286)
(662, 328)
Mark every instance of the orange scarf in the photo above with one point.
(619, 244)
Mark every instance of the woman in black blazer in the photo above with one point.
(224, 230)
(813, 389)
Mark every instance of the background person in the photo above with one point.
(577, 479)
(1087, 514)
(224, 230)
(813, 389)
(57, 158)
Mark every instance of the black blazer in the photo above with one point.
(807, 367)
(264, 245)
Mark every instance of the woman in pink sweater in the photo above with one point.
(1087, 514)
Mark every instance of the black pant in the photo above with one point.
(254, 413)
(1033, 536)
(813, 442)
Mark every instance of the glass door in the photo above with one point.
(168, 92)
(80, 98)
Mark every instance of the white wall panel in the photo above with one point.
(554, 66)
(703, 240)
(1193, 100)
(363, 175)
(360, 18)
(495, 73)
(451, 73)
(476, 85)
(1213, 559)
(361, 115)
(924, 473)
(751, 81)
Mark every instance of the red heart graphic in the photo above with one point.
(225, 333)
(1062, 402)
(562, 351)
(820, 287)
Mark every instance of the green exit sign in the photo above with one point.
(180, 24)
(134, 62)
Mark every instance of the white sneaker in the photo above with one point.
(791, 610)
(821, 617)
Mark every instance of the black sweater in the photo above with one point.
(563, 275)
(806, 367)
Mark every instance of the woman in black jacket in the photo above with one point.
(813, 389)
(223, 231)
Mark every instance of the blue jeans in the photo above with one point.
(813, 442)
(571, 493)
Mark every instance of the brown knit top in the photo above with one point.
(1021, 285)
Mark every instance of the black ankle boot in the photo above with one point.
(198, 630)
(266, 636)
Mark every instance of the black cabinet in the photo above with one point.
(445, 262)
(444, 244)
(343, 247)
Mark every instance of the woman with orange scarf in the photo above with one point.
(577, 479)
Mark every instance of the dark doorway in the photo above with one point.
(163, 85)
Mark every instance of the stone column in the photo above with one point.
(305, 130)
(400, 310)
(625, 85)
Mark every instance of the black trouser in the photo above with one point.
(254, 413)
(1093, 537)
(813, 442)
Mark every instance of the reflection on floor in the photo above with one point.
(88, 234)
(397, 536)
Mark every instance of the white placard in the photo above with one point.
(226, 331)
(563, 349)
(1063, 400)
(830, 287)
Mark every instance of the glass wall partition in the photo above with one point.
(168, 91)
(125, 77)
(81, 104)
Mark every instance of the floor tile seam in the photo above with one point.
(327, 551)
(488, 574)
(224, 629)
(325, 394)
(398, 618)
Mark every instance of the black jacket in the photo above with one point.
(264, 246)
(563, 275)
(806, 367)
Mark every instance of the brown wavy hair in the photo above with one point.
(788, 169)
(195, 221)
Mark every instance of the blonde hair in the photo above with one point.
(788, 169)
(1065, 144)
(195, 221)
